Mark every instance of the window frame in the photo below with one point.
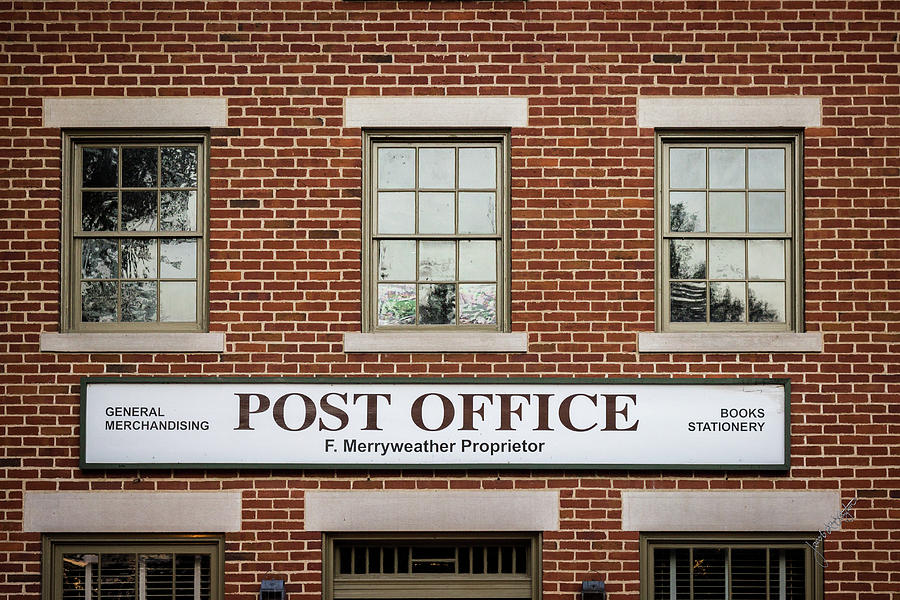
(793, 142)
(53, 546)
(396, 587)
(374, 137)
(649, 541)
(70, 281)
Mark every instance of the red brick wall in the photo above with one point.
(285, 238)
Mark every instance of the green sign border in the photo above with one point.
(784, 382)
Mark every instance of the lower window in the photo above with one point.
(430, 566)
(699, 568)
(188, 568)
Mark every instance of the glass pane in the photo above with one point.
(117, 576)
(687, 211)
(766, 168)
(138, 259)
(139, 301)
(687, 168)
(99, 259)
(687, 302)
(766, 211)
(436, 212)
(437, 304)
(794, 574)
(159, 581)
(139, 211)
(397, 260)
(396, 305)
(178, 211)
(396, 168)
(177, 301)
(396, 212)
(726, 302)
(179, 167)
(79, 572)
(437, 261)
(727, 212)
(726, 259)
(437, 168)
(687, 259)
(192, 573)
(767, 302)
(477, 168)
(178, 258)
(139, 167)
(709, 573)
(98, 301)
(99, 167)
(478, 303)
(99, 211)
(726, 168)
(478, 260)
(477, 212)
(748, 573)
(766, 259)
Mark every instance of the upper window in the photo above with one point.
(689, 567)
(134, 238)
(729, 233)
(437, 250)
(116, 568)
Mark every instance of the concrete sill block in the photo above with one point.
(437, 342)
(133, 342)
(730, 342)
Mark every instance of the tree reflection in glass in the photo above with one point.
(139, 211)
(687, 259)
(178, 210)
(179, 167)
(726, 302)
(139, 301)
(99, 211)
(99, 259)
(98, 301)
(99, 167)
(139, 167)
(437, 304)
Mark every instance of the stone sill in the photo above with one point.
(435, 342)
(730, 342)
(133, 342)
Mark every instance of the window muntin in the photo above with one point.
(119, 568)
(432, 566)
(135, 222)
(729, 239)
(436, 217)
(728, 569)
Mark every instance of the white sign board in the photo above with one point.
(445, 423)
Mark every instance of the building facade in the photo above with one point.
(537, 299)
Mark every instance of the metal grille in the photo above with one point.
(403, 559)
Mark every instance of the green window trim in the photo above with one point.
(426, 269)
(408, 566)
(729, 231)
(197, 564)
(759, 566)
(148, 268)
